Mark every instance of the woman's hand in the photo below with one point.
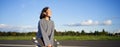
(49, 45)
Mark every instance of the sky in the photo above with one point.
(75, 15)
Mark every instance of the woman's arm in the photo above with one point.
(44, 35)
(52, 33)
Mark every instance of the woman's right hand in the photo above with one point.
(49, 45)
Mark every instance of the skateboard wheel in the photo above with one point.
(34, 38)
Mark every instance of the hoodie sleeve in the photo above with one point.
(52, 34)
(44, 35)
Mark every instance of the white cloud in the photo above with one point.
(107, 22)
(117, 31)
(4, 27)
(91, 23)
(88, 22)
(96, 23)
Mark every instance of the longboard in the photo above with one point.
(39, 43)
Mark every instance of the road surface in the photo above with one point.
(72, 43)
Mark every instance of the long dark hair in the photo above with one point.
(42, 15)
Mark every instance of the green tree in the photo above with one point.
(83, 32)
(96, 33)
(103, 32)
(13, 33)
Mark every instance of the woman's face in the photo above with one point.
(48, 12)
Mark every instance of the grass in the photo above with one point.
(16, 37)
(87, 37)
(63, 37)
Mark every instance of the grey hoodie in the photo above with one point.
(46, 31)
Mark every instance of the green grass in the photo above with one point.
(16, 37)
(63, 37)
(87, 37)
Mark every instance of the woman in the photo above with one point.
(46, 28)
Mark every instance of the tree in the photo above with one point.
(77, 33)
(104, 32)
(83, 32)
(96, 33)
(13, 33)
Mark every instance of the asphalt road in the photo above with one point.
(28, 43)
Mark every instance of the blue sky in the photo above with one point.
(77, 15)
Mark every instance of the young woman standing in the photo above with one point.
(46, 28)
